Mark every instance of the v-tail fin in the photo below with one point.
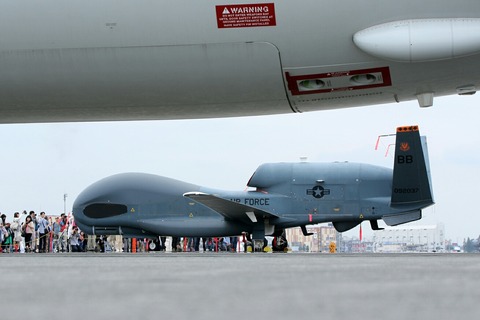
(411, 175)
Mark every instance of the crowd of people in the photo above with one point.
(32, 233)
(227, 244)
(29, 232)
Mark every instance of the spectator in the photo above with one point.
(163, 246)
(3, 230)
(107, 246)
(43, 232)
(247, 241)
(63, 232)
(234, 242)
(74, 240)
(83, 241)
(49, 234)
(29, 229)
(3, 235)
(118, 243)
(209, 245)
(226, 246)
(8, 239)
(16, 226)
(33, 242)
(100, 247)
(191, 244)
(56, 235)
(197, 244)
(91, 243)
(176, 244)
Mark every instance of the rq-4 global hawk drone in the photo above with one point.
(287, 195)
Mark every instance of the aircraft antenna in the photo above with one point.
(382, 136)
(388, 147)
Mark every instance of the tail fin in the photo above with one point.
(411, 174)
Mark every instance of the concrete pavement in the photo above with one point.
(239, 286)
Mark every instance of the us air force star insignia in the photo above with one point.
(318, 192)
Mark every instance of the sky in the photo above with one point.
(40, 163)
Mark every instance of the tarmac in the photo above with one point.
(239, 286)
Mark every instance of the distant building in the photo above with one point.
(356, 246)
(429, 238)
(319, 241)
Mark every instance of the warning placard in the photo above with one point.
(246, 15)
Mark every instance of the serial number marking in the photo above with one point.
(406, 190)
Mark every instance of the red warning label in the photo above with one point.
(246, 15)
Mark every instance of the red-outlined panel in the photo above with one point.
(246, 15)
(339, 81)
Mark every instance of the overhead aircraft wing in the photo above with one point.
(229, 209)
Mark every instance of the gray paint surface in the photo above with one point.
(286, 195)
